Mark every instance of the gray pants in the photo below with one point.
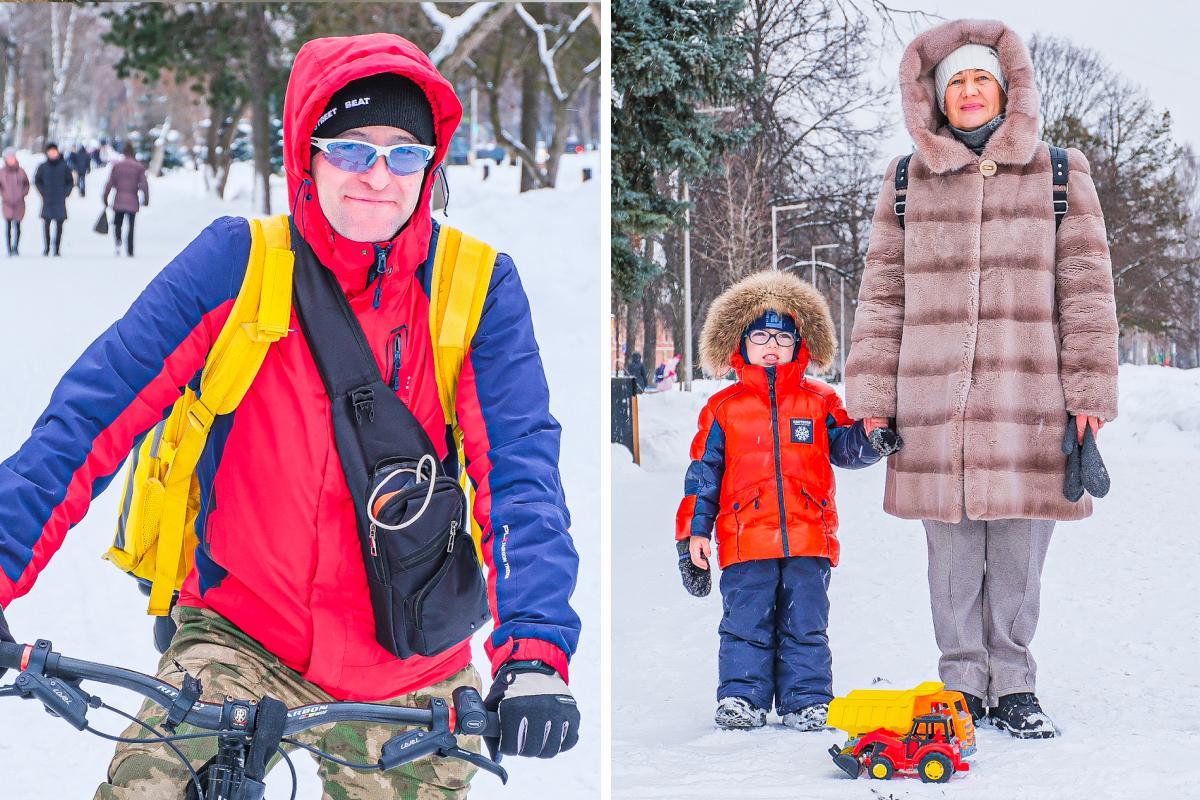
(985, 583)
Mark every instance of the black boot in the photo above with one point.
(976, 706)
(1021, 715)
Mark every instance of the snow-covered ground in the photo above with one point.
(1117, 645)
(51, 308)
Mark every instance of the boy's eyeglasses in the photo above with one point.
(358, 157)
(760, 336)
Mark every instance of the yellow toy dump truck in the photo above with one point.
(869, 714)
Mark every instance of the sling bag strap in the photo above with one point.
(383, 424)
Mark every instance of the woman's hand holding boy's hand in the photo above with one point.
(693, 565)
(871, 423)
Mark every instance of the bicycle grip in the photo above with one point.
(472, 717)
(10, 655)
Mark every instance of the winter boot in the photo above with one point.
(976, 707)
(1021, 715)
(737, 714)
(809, 718)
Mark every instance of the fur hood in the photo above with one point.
(747, 300)
(1015, 141)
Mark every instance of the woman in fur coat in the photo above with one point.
(982, 328)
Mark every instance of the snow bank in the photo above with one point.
(1117, 644)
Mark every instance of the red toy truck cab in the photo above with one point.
(931, 748)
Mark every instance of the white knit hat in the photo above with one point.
(969, 56)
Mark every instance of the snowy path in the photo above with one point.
(1117, 645)
(51, 308)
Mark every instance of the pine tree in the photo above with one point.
(670, 59)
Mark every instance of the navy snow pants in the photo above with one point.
(774, 643)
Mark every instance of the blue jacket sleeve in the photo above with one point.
(512, 448)
(702, 484)
(122, 385)
(849, 447)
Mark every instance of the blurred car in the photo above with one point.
(460, 151)
(492, 151)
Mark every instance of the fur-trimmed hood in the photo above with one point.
(1015, 141)
(745, 301)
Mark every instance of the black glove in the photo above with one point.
(538, 715)
(5, 636)
(1085, 468)
(885, 441)
(698, 582)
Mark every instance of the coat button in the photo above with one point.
(987, 167)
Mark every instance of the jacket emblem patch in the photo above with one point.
(802, 431)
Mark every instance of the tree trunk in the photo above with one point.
(258, 79)
(531, 95)
(650, 321)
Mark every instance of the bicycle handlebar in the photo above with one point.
(53, 679)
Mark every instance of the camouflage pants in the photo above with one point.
(230, 663)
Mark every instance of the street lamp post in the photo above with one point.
(687, 290)
(687, 262)
(812, 258)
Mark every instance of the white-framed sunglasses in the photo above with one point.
(356, 156)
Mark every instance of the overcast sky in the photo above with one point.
(1153, 43)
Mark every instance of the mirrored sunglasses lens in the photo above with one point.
(350, 157)
(407, 160)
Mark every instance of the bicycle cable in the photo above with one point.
(183, 759)
(322, 754)
(291, 768)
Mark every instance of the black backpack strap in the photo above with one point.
(1059, 174)
(901, 186)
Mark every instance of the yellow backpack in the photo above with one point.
(156, 537)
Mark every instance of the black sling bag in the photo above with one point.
(427, 591)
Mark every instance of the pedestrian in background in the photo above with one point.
(128, 179)
(81, 163)
(54, 183)
(14, 185)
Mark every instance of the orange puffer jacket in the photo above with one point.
(762, 461)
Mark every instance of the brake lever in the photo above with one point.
(481, 761)
(61, 699)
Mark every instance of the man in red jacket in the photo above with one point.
(278, 601)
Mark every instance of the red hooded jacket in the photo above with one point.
(279, 554)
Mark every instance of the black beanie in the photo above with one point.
(381, 99)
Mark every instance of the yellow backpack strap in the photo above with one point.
(462, 272)
(260, 316)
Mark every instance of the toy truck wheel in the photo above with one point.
(935, 768)
(881, 768)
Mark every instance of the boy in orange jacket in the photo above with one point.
(761, 472)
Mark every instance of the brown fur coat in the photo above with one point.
(978, 326)
(750, 298)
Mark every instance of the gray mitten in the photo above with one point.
(1094, 475)
(1073, 481)
(698, 582)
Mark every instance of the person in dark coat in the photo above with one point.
(636, 368)
(81, 162)
(14, 185)
(54, 182)
(127, 178)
